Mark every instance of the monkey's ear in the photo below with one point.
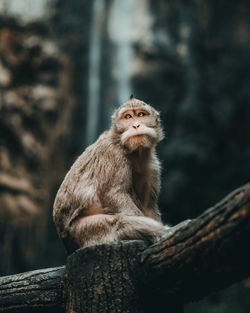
(157, 115)
(113, 116)
(131, 97)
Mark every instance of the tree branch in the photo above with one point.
(35, 291)
(204, 255)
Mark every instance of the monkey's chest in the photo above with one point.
(141, 189)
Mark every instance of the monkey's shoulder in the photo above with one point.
(104, 145)
(104, 150)
(97, 160)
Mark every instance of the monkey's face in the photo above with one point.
(138, 126)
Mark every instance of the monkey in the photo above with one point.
(111, 191)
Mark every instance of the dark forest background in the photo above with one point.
(64, 67)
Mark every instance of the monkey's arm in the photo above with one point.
(152, 209)
(121, 202)
(153, 212)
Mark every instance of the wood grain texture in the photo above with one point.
(35, 291)
(206, 254)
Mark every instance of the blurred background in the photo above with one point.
(65, 66)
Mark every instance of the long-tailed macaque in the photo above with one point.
(111, 191)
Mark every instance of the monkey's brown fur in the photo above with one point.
(111, 191)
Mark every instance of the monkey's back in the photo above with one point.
(84, 190)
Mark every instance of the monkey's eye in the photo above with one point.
(140, 114)
(127, 116)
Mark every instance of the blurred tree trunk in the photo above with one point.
(36, 105)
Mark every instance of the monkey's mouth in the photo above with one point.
(137, 137)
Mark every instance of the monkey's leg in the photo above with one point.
(102, 228)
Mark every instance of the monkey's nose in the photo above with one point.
(136, 126)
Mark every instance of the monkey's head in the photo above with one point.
(137, 124)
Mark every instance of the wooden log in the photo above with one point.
(204, 255)
(104, 278)
(35, 291)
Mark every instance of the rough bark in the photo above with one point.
(206, 254)
(193, 259)
(106, 278)
(35, 291)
